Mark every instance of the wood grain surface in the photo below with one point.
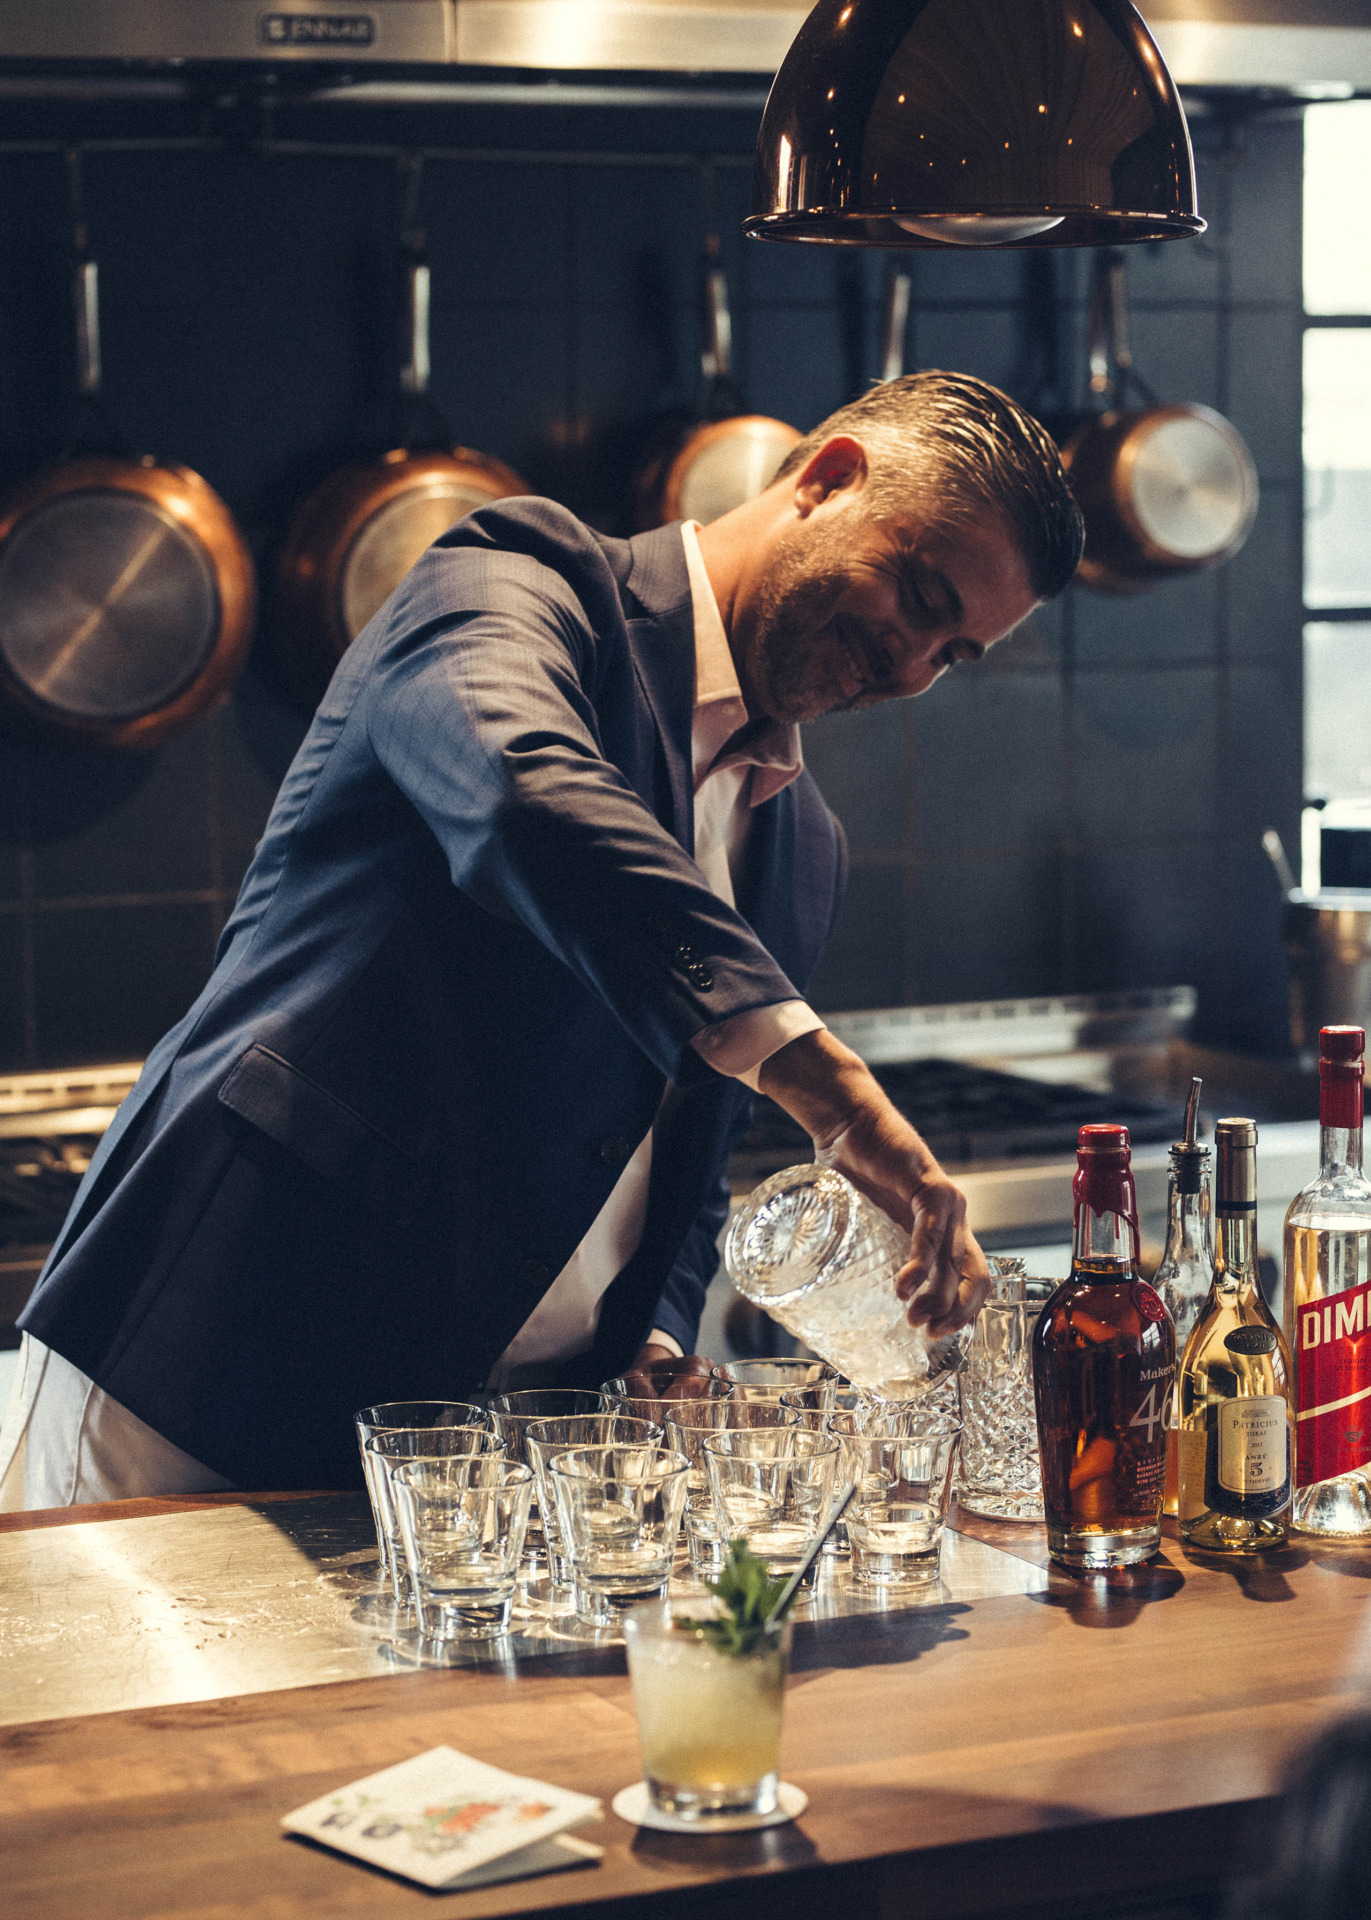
(1054, 1754)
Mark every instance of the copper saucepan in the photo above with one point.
(729, 455)
(1165, 490)
(351, 543)
(126, 592)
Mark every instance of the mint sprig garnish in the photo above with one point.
(748, 1593)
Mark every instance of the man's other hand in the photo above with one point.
(855, 1128)
(654, 1356)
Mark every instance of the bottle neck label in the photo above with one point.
(1333, 1366)
(1340, 1094)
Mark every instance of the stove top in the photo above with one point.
(967, 1112)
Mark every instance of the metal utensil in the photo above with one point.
(837, 1509)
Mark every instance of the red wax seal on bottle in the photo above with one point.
(1341, 1076)
(1104, 1181)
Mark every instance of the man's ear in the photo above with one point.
(837, 466)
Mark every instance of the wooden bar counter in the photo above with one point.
(1101, 1746)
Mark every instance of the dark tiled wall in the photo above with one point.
(1083, 811)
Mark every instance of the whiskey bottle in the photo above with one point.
(1327, 1283)
(1236, 1419)
(1187, 1267)
(1104, 1373)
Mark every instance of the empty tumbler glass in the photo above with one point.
(512, 1414)
(392, 1448)
(462, 1522)
(904, 1483)
(772, 1487)
(543, 1438)
(619, 1509)
(390, 1415)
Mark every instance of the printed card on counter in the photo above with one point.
(449, 1821)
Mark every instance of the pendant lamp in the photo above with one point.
(992, 123)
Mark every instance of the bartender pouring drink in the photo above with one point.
(531, 920)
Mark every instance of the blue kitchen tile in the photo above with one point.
(1035, 646)
(858, 761)
(864, 964)
(1176, 350)
(13, 1057)
(1145, 918)
(625, 215)
(109, 981)
(989, 762)
(1266, 185)
(147, 222)
(983, 929)
(982, 341)
(1182, 270)
(257, 731)
(1265, 397)
(1256, 1015)
(296, 230)
(795, 366)
(122, 824)
(1265, 609)
(1144, 753)
(1173, 621)
(499, 235)
(501, 379)
(965, 277)
(1262, 732)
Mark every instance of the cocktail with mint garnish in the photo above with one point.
(708, 1688)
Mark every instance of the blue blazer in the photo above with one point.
(464, 968)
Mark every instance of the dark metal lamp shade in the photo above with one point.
(1010, 123)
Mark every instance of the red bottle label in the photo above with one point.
(1333, 1427)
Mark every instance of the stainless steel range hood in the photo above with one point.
(1286, 46)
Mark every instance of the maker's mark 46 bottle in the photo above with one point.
(1328, 1307)
(1104, 1367)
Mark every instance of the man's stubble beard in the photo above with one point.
(795, 602)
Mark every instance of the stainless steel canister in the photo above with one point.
(1328, 939)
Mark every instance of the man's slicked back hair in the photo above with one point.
(952, 446)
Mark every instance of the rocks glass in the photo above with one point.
(688, 1425)
(512, 1414)
(619, 1511)
(392, 1448)
(821, 1259)
(544, 1438)
(386, 1417)
(709, 1722)
(772, 1487)
(1001, 1474)
(462, 1521)
(904, 1483)
(774, 1379)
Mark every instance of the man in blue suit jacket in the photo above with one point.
(460, 1093)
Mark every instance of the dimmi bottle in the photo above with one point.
(1327, 1295)
(1104, 1367)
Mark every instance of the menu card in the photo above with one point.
(449, 1821)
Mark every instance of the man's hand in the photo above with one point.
(835, 1097)
(652, 1356)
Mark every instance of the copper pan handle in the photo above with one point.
(716, 357)
(416, 367)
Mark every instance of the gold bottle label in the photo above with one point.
(1253, 1444)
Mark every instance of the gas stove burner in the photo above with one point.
(967, 1112)
(38, 1180)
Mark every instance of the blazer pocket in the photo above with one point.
(314, 1125)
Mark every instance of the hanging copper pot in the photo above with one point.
(705, 468)
(127, 594)
(1165, 490)
(351, 543)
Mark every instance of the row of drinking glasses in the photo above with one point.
(452, 1483)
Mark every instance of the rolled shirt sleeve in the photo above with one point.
(740, 1045)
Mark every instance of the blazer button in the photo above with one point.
(535, 1273)
(700, 977)
(612, 1151)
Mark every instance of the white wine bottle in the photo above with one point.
(1236, 1418)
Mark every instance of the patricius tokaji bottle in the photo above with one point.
(1236, 1419)
(1104, 1372)
(1187, 1266)
(1328, 1307)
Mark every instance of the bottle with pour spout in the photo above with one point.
(1235, 1417)
(1187, 1265)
